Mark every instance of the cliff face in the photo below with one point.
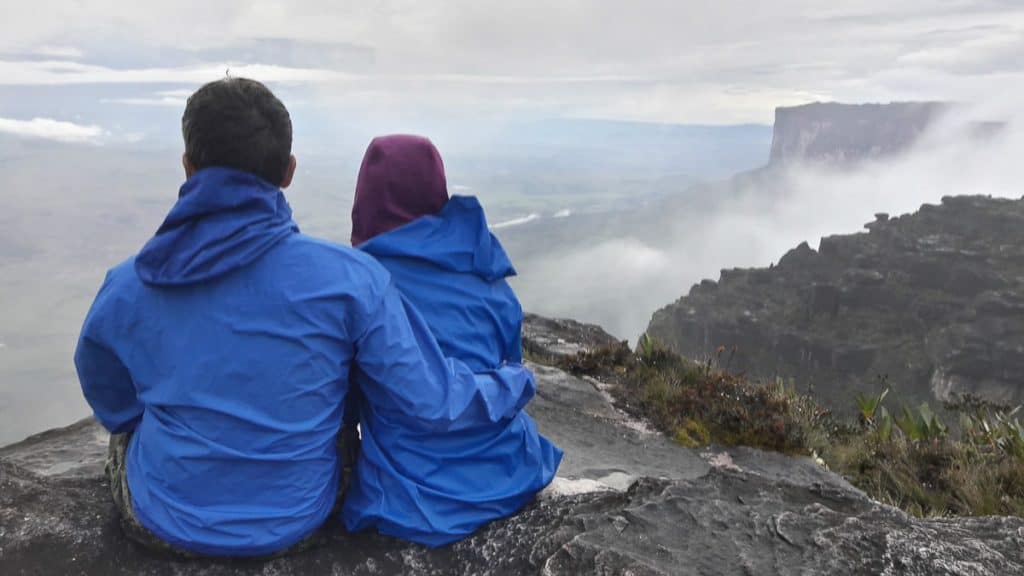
(931, 302)
(842, 133)
(626, 501)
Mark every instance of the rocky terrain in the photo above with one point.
(929, 303)
(627, 501)
(843, 133)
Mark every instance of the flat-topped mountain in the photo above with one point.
(931, 303)
(842, 133)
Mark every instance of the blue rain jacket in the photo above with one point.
(438, 488)
(226, 346)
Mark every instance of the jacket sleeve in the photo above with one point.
(408, 379)
(514, 353)
(106, 383)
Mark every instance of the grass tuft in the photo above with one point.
(913, 460)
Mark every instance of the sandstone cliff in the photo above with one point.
(843, 133)
(930, 303)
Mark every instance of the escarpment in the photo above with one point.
(929, 303)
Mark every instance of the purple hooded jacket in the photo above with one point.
(438, 486)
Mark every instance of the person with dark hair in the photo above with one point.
(238, 123)
(220, 356)
(438, 488)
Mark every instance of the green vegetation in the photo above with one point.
(912, 460)
(869, 405)
(697, 404)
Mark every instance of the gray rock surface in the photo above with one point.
(627, 502)
(550, 339)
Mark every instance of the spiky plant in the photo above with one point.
(868, 405)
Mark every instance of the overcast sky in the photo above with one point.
(101, 70)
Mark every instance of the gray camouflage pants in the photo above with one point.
(117, 473)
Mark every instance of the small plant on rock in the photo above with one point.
(922, 425)
(868, 405)
(885, 423)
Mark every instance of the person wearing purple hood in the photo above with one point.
(436, 488)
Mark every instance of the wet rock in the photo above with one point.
(825, 300)
(737, 523)
(860, 277)
(798, 257)
(550, 339)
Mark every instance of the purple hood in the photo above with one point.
(401, 179)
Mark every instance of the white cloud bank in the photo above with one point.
(66, 72)
(54, 130)
(163, 98)
(50, 51)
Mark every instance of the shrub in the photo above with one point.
(910, 461)
(695, 403)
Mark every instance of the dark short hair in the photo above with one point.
(238, 123)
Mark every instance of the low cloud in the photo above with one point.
(54, 130)
(64, 72)
(57, 72)
(164, 98)
(610, 283)
(68, 52)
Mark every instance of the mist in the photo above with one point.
(619, 282)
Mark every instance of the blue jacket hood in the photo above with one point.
(224, 219)
(456, 239)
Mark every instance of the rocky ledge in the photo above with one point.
(627, 501)
(929, 303)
